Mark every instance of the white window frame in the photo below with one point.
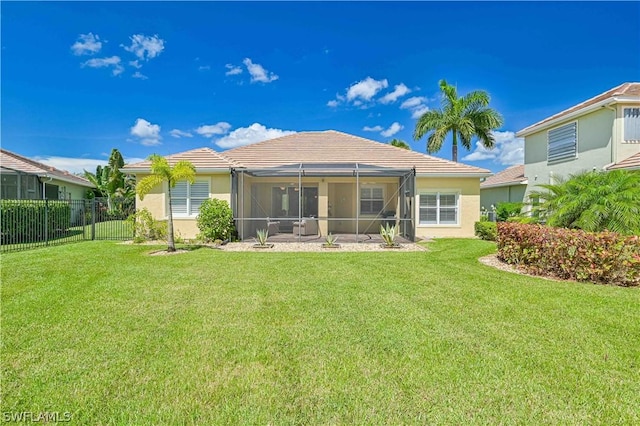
(190, 213)
(566, 158)
(626, 139)
(360, 199)
(438, 193)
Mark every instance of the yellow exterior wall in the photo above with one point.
(621, 149)
(156, 202)
(468, 204)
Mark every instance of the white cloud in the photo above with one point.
(135, 64)
(148, 133)
(258, 73)
(77, 165)
(398, 91)
(180, 134)
(204, 68)
(392, 130)
(233, 70)
(139, 75)
(416, 105)
(333, 103)
(87, 44)
(508, 150)
(372, 129)
(145, 47)
(113, 61)
(248, 135)
(209, 130)
(366, 89)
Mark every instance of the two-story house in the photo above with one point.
(601, 133)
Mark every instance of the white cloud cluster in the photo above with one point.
(362, 93)
(111, 62)
(78, 165)
(394, 128)
(258, 73)
(87, 44)
(398, 91)
(145, 47)
(209, 130)
(417, 106)
(508, 150)
(149, 134)
(176, 133)
(232, 70)
(249, 135)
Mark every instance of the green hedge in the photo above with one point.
(486, 230)
(23, 221)
(599, 257)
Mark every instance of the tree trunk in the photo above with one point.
(455, 147)
(170, 239)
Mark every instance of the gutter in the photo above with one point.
(454, 175)
(500, 185)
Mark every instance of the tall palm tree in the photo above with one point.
(593, 201)
(162, 172)
(399, 144)
(463, 117)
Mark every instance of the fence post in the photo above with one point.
(46, 221)
(93, 219)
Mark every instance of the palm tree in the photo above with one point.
(99, 180)
(593, 201)
(463, 117)
(162, 172)
(399, 144)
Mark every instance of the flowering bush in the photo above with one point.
(599, 257)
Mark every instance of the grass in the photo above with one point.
(114, 336)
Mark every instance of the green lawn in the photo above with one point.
(115, 336)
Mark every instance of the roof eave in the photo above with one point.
(500, 185)
(455, 175)
(535, 128)
(198, 169)
(67, 180)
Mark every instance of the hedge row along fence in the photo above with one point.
(28, 221)
(602, 257)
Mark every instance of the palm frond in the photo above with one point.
(147, 183)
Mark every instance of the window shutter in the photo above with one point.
(179, 198)
(199, 193)
(562, 142)
(632, 124)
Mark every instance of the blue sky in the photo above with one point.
(81, 78)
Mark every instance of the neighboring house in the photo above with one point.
(508, 185)
(601, 133)
(346, 183)
(26, 179)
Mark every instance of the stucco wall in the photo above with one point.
(468, 204)
(493, 196)
(594, 149)
(621, 149)
(156, 202)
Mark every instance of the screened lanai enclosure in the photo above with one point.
(306, 200)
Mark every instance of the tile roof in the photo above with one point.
(513, 175)
(329, 147)
(13, 161)
(625, 89)
(201, 158)
(631, 163)
(341, 148)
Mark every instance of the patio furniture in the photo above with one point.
(273, 226)
(307, 226)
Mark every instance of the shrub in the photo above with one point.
(486, 230)
(215, 220)
(146, 228)
(603, 257)
(388, 234)
(506, 210)
(24, 221)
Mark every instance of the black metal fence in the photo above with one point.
(27, 224)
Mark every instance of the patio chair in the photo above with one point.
(307, 226)
(273, 226)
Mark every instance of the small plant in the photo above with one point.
(146, 228)
(261, 237)
(331, 239)
(389, 234)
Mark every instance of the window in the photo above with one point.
(439, 209)
(632, 124)
(186, 198)
(562, 142)
(371, 199)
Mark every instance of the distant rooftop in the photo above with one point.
(513, 175)
(12, 161)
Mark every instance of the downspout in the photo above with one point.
(44, 185)
(614, 134)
